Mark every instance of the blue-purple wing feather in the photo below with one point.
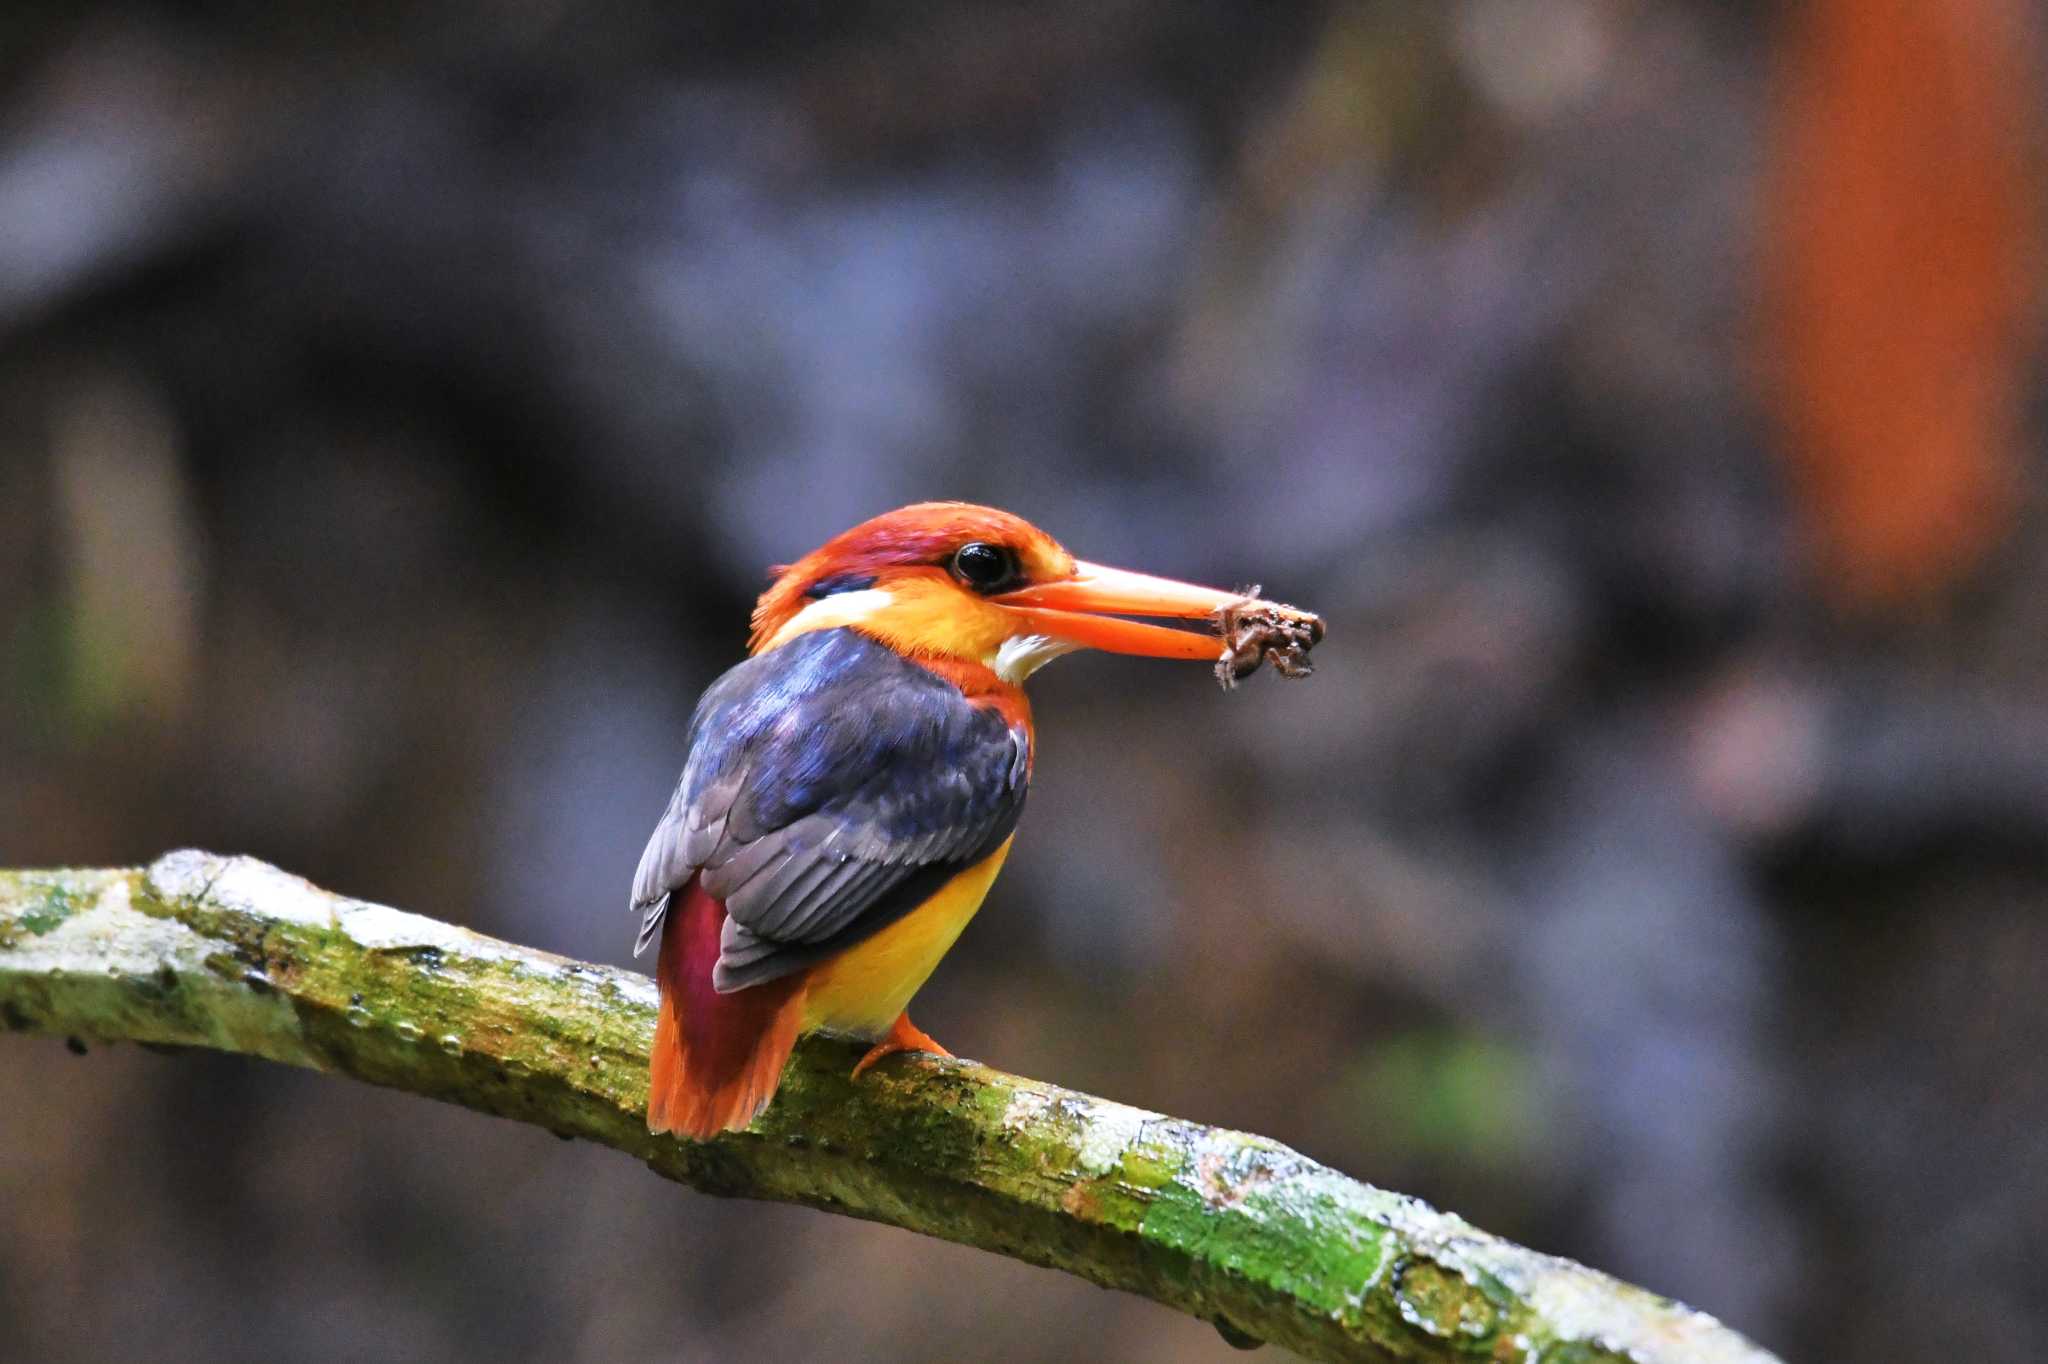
(831, 786)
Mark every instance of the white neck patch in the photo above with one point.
(1019, 656)
(841, 608)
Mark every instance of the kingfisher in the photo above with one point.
(851, 788)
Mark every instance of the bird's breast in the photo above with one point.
(864, 988)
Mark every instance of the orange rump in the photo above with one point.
(717, 1059)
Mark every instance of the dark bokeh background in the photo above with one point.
(399, 404)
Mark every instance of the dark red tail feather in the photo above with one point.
(717, 1058)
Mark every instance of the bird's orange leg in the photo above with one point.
(904, 1035)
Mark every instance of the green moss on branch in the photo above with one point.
(232, 954)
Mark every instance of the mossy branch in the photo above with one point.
(229, 953)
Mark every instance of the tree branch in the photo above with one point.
(232, 954)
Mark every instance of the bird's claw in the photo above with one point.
(904, 1035)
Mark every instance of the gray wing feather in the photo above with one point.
(650, 923)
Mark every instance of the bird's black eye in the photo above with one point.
(983, 566)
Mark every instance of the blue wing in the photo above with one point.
(831, 786)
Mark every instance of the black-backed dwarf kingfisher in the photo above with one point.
(851, 789)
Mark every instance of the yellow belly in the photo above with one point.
(864, 988)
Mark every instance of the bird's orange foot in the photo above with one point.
(904, 1035)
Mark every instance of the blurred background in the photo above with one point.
(399, 406)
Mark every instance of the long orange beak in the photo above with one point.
(1073, 609)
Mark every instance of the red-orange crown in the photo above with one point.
(922, 535)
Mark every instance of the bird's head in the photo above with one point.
(950, 580)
